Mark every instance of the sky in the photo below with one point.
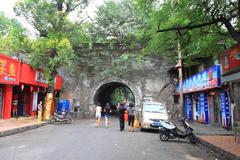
(7, 7)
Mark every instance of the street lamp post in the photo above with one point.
(179, 67)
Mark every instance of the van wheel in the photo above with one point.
(163, 136)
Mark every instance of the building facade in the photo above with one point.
(21, 88)
(202, 92)
(230, 62)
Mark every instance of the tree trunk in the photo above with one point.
(234, 34)
(49, 98)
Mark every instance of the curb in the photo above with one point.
(21, 129)
(220, 151)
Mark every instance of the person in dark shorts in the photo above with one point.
(121, 111)
(130, 110)
(107, 111)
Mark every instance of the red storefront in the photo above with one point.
(31, 89)
(21, 88)
(9, 76)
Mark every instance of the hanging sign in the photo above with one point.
(188, 107)
(203, 108)
(225, 109)
(35, 101)
(9, 70)
(230, 60)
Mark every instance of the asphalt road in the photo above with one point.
(81, 140)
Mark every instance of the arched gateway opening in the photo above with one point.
(105, 90)
(113, 93)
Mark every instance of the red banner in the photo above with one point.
(230, 60)
(9, 70)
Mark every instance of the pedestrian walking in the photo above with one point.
(98, 111)
(40, 112)
(121, 111)
(130, 110)
(107, 112)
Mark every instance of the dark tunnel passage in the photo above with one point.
(105, 94)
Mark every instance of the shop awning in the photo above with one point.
(231, 78)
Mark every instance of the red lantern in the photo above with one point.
(22, 87)
(31, 88)
(212, 93)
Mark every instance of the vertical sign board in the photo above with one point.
(206, 108)
(185, 105)
(202, 107)
(198, 108)
(222, 95)
(225, 109)
(35, 101)
(189, 107)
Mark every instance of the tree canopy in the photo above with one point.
(13, 37)
(57, 34)
(199, 26)
(118, 22)
(155, 26)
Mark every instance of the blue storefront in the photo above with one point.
(204, 99)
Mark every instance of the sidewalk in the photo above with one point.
(218, 139)
(17, 125)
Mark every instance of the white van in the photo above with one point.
(151, 113)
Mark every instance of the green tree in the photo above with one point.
(199, 25)
(13, 37)
(54, 45)
(121, 94)
(118, 22)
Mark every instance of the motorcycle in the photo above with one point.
(168, 130)
(62, 117)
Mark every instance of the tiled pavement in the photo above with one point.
(226, 143)
(218, 139)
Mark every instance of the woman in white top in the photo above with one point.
(98, 110)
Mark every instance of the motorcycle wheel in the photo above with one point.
(70, 120)
(193, 139)
(52, 120)
(163, 136)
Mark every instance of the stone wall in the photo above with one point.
(152, 80)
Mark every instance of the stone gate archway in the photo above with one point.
(112, 83)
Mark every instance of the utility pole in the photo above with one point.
(180, 78)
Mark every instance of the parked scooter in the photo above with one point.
(64, 116)
(168, 130)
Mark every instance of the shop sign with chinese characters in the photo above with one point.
(207, 79)
(9, 70)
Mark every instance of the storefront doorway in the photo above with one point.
(1, 103)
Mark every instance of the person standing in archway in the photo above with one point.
(107, 111)
(130, 110)
(121, 111)
(98, 111)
